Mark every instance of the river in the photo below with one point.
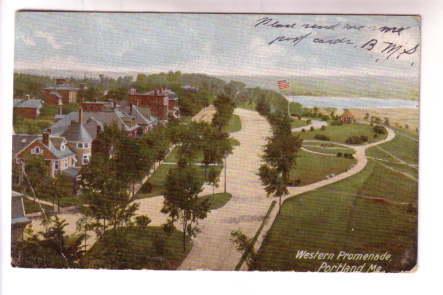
(353, 102)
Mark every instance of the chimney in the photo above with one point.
(130, 108)
(60, 107)
(46, 136)
(80, 115)
(99, 129)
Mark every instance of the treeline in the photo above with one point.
(190, 102)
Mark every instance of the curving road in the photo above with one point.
(212, 248)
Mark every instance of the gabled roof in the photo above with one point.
(121, 115)
(77, 132)
(18, 213)
(28, 103)
(21, 141)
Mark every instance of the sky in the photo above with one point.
(217, 44)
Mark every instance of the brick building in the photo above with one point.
(60, 93)
(162, 102)
(27, 108)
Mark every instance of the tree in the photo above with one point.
(213, 178)
(245, 245)
(52, 248)
(225, 108)
(106, 195)
(263, 107)
(279, 156)
(181, 200)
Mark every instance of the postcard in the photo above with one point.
(215, 141)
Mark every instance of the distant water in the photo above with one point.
(353, 102)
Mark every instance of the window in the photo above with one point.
(56, 165)
(65, 164)
(80, 145)
(37, 150)
(85, 145)
(62, 147)
(85, 159)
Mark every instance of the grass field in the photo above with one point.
(33, 207)
(336, 218)
(234, 124)
(218, 200)
(401, 146)
(136, 248)
(298, 123)
(157, 180)
(311, 168)
(343, 132)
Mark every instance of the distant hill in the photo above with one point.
(348, 86)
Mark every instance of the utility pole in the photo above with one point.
(226, 168)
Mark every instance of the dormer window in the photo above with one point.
(36, 151)
(62, 147)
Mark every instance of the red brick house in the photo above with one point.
(61, 92)
(27, 108)
(162, 102)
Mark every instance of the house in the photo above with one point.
(18, 215)
(27, 107)
(60, 93)
(347, 117)
(79, 140)
(162, 102)
(133, 120)
(54, 150)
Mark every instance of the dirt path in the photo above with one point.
(362, 160)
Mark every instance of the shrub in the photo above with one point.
(309, 121)
(339, 154)
(323, 127)
(294, 182)
(348, 156)
(336, 123)
(321, 137)
(146, 188)
(378, 129)
(303, 130)
(357, 139)
(312, 128)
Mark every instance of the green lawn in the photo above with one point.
(135, 248)
(334, 218)
(343, 132)
(157, 180)
(173, 157)
(33, 207)
(298, 123)
(401, 146)
(311, 168)
(234, 124)
(218, 200)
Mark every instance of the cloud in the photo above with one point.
(49, 38)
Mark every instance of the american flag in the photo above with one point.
(283, 84)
